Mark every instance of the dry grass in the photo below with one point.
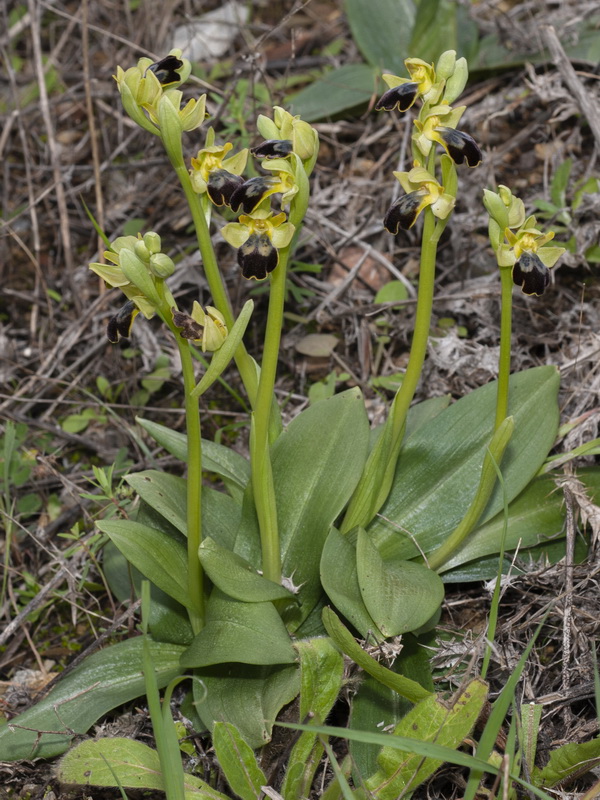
(64, 140)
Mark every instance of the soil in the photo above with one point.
(67, 145)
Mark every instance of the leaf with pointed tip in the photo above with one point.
(103, 681)
(249, 697)
(160, 558)
(238, 762)
(401, 596)
(248, 633)
(236, 577)
(124, 762)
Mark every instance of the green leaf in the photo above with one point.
(168, 620)
(160, 558)
(343, 639)
(400, 595)
(569, 760)
(103, 681)
(234, 576)
(339, 576)
(223, 461)
(382, 31)
(246, 696)
(123, 762)
(316, 462)
(321, 675)
(337, 91)
(238, 762)
(440, 465)
(536, 516)
(376, 707)
(166, 493)
(431, 720)
(390, 292)
(248, 633)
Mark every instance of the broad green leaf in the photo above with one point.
(217, 458)
(248, 633)
(343, 639)
(248, 697)
(440, 465)
(382, 31)
(102, 682)
(431, 720)
(165, 493)
(321, 677)
(160, 558)
(238, 762)
(376, 707)
(317, 462)
(536, 516)
(400, 595)
(125, 762)
(443, 25)
(337, 91)
(234, 576)
(168, 619)
(339, 576)
(570, 760)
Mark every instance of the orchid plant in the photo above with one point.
(329, 529)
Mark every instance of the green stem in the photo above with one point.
(378, 474)
(487, 481)
(262, 476)
(505, 340)
(218, 292)
(418, 350)
(194, 474)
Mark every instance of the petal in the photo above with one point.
(531, 274)
(189, 328)
(282, 234)
(401, 97)
(235, 233)
(272, 148)
(120, 325)
(222, 185)
(252, 192)
(460, 146)
(404, 212)
(257, 257)
(166, 70)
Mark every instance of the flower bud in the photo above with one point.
(444, 66)
(137, 273)
(161, 265)
(142, 251)
(152, 242)
(456, 83)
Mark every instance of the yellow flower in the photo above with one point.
(206, 328)
(250, 194)
(217, 175)
(422, 191)
(259, 237)
(439, 125)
